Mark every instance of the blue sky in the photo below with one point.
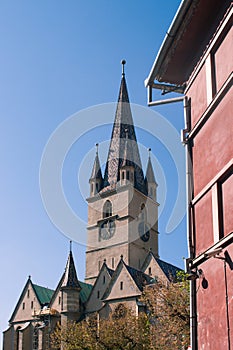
(59, 58)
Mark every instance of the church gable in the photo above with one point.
(159, 269)
(122, 284)
(94, 302)
(32, 298)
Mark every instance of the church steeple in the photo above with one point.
(96, 179)
(119, 146)
(70, 292)
(150, 179)
(117, 216)
(70, 279)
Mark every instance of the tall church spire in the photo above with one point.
(123, 124)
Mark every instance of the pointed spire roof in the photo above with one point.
(70, 278)
(96, 170)
(120, 145)
(150, 177)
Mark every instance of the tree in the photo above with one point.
(164, 324)
(168, 312)
(78, 336)
(122, 331)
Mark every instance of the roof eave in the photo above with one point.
(167, 43)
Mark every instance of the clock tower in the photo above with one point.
(122, 206)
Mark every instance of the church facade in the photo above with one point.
(122, 245)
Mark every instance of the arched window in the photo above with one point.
(143, 215)
(107, 210)
(144, 230)
(35, 341)
(17, 338)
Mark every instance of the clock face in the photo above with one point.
(144, 232)
(107, 229)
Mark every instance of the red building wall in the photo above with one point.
(210, 93)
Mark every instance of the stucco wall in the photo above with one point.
(210, 92)
(211, 304)
(223, 58)
(213, 146)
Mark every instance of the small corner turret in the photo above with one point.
(96, 179)
(70, 289)
(151, 183)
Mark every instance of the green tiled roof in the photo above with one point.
(43, 294)
(85, 291)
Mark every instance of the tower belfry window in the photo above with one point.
(143, 215)
(107, 210)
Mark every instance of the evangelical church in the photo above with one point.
(122, 245)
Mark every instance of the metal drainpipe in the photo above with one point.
(189, 183)
(193, 316)
(227, 306)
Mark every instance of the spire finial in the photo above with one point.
(123, 62)
(70, 246)
(149, 152)
(97, 147)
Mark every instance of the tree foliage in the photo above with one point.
(164, 325)
(168, 313)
